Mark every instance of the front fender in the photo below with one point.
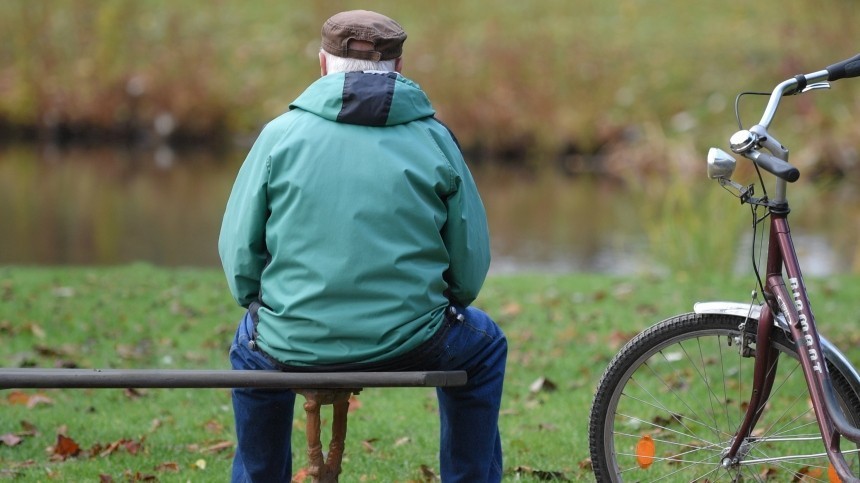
(753, 311)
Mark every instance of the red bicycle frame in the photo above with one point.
(793, 303)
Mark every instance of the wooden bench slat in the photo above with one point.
(45, 378)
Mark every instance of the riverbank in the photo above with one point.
(589, 86)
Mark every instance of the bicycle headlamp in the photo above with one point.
(721, 164)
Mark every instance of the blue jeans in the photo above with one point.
(470, 448)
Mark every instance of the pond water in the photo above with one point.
(110, 206)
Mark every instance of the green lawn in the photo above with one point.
(562, 328)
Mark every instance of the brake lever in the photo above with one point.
(816, 86)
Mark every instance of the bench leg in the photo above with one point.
(322, 469)
(338, 437)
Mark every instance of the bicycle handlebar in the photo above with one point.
(777, 167)
(773, 164)
(845, 69)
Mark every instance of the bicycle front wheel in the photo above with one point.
(669, 404)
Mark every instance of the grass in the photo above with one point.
(562, 329)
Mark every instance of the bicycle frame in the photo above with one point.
(795, 306)
(790, 310)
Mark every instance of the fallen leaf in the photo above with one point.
(130, 446)
(29, 400)
(171, 466)
(10, 439)
(133, 447)
(354, 404)
(213, 426)
(808, 474)
(29, 428)
(428, 474)
(133, 393)
(18, 397)
(37, 331)
(200, 464)
(103, 478)
(37, 399)
(138, 476)
(367, 444)
(301, 475)
(768, 473)
(542, 475)
(402, 441)
(64, 448)
(542, 384)
(217, 447)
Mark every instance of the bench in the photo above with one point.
(318, 389)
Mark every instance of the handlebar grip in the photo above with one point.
(845, 69)
(775, 166)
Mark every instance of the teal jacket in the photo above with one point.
(354, 222)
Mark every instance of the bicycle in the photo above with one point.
(737, 391)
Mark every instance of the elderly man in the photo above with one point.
(356, 238)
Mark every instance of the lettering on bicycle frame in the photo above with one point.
(804, 326)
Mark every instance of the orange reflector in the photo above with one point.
(831, 474)
(645, 451)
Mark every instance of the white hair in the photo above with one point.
(335, 64)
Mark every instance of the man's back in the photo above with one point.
(358, 182)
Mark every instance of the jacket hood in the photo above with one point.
(365, 98)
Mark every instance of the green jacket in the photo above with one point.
(354, 222)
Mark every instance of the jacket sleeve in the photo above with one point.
(466, 235)
(242, 242)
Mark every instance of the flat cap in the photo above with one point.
(386, 35)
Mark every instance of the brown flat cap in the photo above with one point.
(386, 35)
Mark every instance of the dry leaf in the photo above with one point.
(37, 399)
(213, 426)
(354, 404)
(10, 439)
(171, 466)
(64, 448)
(367, 444)
(138, 476)
(131, 446)
(542, 384)
(301, 476)
(37, 331)
(133, 393)
(428, 474)
(18, 397)
(29, 428)
(542, 475)
(218, 447)
(401, 441)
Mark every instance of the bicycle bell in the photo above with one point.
(743, 140)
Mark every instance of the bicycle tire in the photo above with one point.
(670, 401)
